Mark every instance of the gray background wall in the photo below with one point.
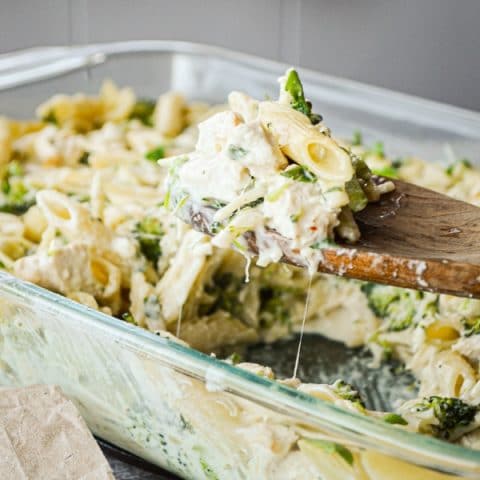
(429, 48)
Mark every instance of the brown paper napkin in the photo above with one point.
(42, 436)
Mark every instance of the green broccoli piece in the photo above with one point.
(213, 202)
(156, 154)
(234, 358)
(357, 139)
(143, 111)
(356, 196)
(394, 419)
(398, 162)
(129, 318)
(385, 345)
(50, 117)
(300, 174)
(471, 326)
(378, 149)
(208, 471)
(364, 176)
(274, 302)
(331, 448)
(84, 159)
(327, 243)
(462, 162)
(225, 289)
(347, 392)
(253, 203)
(395, 305)
(379, 297)
(451, 413)
(388, 171)
(294, 87)
(149, 232)
(16, 197)
(15, 169)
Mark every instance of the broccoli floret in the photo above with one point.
(143, 111)
(395, 305)
(379, 297)
(225, 289)
(471, 326)
(294, 87)
(17, 199)
(385, 345)
(274, 305)
(149, 232)
(347, 392)
(451, 413)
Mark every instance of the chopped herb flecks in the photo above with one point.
(462, 162)
(235, 152)
(83, 160)
(143, 111)
(149, 232)
(347, 392)
(471, 326)
(50, 117)
(300, 174)
(213, 202)
(208, 471)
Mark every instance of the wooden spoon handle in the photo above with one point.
(439, 276)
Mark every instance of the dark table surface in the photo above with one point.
(129, 467)
(125, 471)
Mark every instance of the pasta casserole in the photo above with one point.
(90, 193)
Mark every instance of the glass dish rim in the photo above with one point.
(42, 63)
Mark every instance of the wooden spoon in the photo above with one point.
(413, 237)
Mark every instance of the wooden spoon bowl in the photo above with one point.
(413, 238)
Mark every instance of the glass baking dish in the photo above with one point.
(170, 404)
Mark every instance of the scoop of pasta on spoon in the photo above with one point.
(268, 179)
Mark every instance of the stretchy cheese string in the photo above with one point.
(305, 313)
